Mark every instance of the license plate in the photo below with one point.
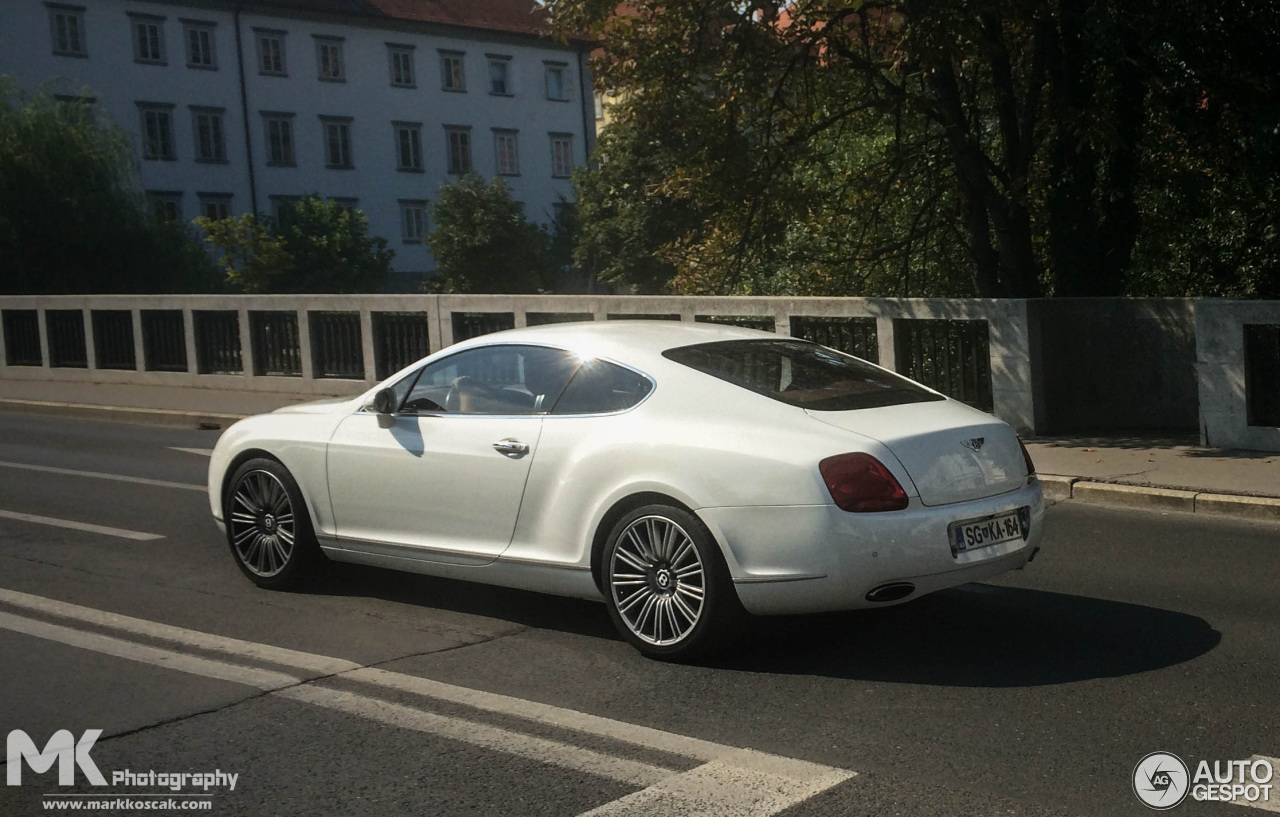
(980, 533)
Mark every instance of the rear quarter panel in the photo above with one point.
(728, 448)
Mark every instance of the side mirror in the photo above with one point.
(384, 402)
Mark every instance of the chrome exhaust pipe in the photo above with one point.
(893, 591)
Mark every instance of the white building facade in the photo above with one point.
(235, 107)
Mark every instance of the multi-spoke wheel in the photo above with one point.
(267, 524)
(667, 587)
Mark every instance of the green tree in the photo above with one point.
(482, 241)
(982, 146)
(315, 246)
(72, 219)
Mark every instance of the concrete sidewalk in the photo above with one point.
(1146, 471)
(165, 405)
(1159, 473)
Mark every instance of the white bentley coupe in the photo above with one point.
(683, 473)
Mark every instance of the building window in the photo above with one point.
(329, 59)
(148, 39)
(215, 206)
(408, 146)
(166, 205)
(598, 101)
(451, 75)
(413, 220)
(505, 154)
(401, 60)
(557, 86)
(337, 142)
(157, 131)
(561, 155)
(206, 124)
(279, 138)
(499, 75)
(200, 48)
(271, 53)
(66, 24)
(351, 206)
(459, 145)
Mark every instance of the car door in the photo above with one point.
(441, 478)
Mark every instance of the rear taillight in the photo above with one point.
(1031, 466)
(861, 483)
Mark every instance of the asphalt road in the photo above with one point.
(1036, 694)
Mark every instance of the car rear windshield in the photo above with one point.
(801, 374)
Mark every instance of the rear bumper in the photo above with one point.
(815, 558)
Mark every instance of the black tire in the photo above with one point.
(691, 613)
(263, 508)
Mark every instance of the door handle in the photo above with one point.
(511, 447)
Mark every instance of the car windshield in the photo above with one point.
(801, 374)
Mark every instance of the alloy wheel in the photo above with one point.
(262, 526)
(657, 580)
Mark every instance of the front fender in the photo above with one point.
(298, 441)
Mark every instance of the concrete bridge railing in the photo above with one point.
(1045, 366)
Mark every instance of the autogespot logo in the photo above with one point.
(1160, 780)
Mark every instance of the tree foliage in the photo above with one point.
(315, 245)
(990, 147)
(482, 241)
(72, 219)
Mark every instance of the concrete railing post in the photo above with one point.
(782, 322)
(90, 340)
(886, 344)
(306, 361)
(1012, 388)
(139, 346)
(43, 326)
(189, 339)
(1222, 376)
(246, 344)
(366, 345)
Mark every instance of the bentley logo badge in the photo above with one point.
(975, 444)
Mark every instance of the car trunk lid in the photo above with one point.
(953, 453)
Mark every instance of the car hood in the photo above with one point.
(329, 405)
(952, 452)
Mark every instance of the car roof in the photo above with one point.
(626, 341)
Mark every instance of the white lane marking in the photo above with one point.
(71, 472)
(297, 689)
(1271, 804)
(260, 678)
(203, 452)
(120, 533)
(483, 735)
(731, 782)
(544, 713)
(741, 784)
(317, 664)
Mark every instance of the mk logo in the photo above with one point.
(62, 747)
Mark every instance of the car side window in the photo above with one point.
(492, 380)
(601, 387)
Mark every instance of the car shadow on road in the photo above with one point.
(519, 607)
(978, 636)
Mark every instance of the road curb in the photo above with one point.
(121, 414)
(1060, 487)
